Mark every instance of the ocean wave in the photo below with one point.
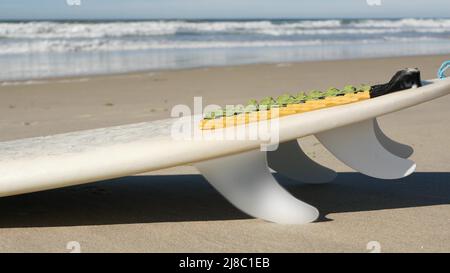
(55, 30)
(402, 23)
(101, 45)
(44, 37)
(61, 46)
(151, 28)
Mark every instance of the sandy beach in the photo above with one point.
(176, 210)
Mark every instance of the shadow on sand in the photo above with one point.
(172, 198)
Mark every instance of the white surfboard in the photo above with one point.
(236, 168)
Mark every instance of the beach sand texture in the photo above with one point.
(175, 210)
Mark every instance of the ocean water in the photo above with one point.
(30, 50)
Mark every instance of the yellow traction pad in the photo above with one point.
(290, 109)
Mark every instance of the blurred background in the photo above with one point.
(53, 38)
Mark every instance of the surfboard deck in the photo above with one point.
(41, 163)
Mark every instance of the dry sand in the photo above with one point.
(175, 210)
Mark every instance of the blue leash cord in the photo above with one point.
(444, 67)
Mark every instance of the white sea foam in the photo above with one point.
(403, 23)
(41, 37)
(61, 46)
(96, 45)
(158, 28)
(149, 28)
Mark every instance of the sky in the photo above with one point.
(218, 9)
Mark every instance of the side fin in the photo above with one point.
(358, 147)
(291, 161)
(398, 149)
(245, 181)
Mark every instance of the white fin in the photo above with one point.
(398, 149)
(245, 180)
(359, 148)
(291, 161)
